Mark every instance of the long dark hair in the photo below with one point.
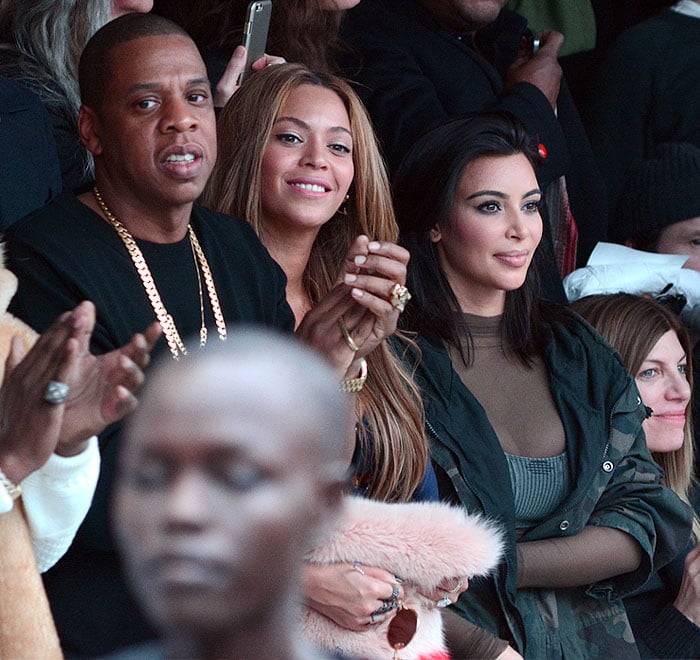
(424, 189)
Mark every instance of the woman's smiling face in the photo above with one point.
(486, 245)
(307, 165)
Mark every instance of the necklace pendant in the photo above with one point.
(202, 336)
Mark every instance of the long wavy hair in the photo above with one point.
(300, 30)
(619, 317)
(425, 187)
(389, 404)
(48, 37)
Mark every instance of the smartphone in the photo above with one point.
(257, 25)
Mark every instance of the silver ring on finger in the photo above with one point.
(394, 593)
(372, 619)
(56, 392)
(386, 606)
(460, 584)
(444, 602)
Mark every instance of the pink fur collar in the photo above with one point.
(423, 543)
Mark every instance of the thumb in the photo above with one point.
(228, 83)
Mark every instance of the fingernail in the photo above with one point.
(357, 293)
(349, 278)
(360, 259)
(374, 245)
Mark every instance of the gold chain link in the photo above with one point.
(172, 336)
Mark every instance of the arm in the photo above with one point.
(466, 640)
(595, 553)
(688, 599)
(59, 486)
(415, 79)
(56, 499)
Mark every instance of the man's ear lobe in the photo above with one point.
(89, 130)
(435, 234)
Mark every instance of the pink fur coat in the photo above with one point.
(423, 543)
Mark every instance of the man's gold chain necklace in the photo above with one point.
(172, 336)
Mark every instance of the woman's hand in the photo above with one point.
(349, 594)
(449, 589)
(29, 426)
(688, 599)
(362, 301)
(102, 387)
(228, 83)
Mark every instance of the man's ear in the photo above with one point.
(435, 234)
(89, 130)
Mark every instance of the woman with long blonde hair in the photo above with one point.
(298, 159)
(655, 348)
(313, 257)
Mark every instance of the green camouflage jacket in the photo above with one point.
(615, 484)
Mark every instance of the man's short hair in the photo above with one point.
(94, 71)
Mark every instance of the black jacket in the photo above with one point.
(413, 74)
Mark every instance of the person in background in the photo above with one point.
(52, 399)
(266, 443)
(665, 612)
(533, 420)
(30, 175)
(659, 205)
(628, 116)
(42, 42)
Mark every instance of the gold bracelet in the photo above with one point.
(355, 384)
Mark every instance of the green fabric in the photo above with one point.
(539, 484)
(573, 18)
(615, 484)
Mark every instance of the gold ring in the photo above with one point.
(399, 296)
(346, 335)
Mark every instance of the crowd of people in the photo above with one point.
(376, 426)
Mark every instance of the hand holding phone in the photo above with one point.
(255, 33)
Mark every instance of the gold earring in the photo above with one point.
(343, 209)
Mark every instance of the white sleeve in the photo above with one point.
(56, 499)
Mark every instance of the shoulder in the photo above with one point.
(582, 363)
(59, 221)
(15, 97)
(646, 38)
(222, 224)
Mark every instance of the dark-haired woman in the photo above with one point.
(534, 420)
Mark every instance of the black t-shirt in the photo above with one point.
(66, 253)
